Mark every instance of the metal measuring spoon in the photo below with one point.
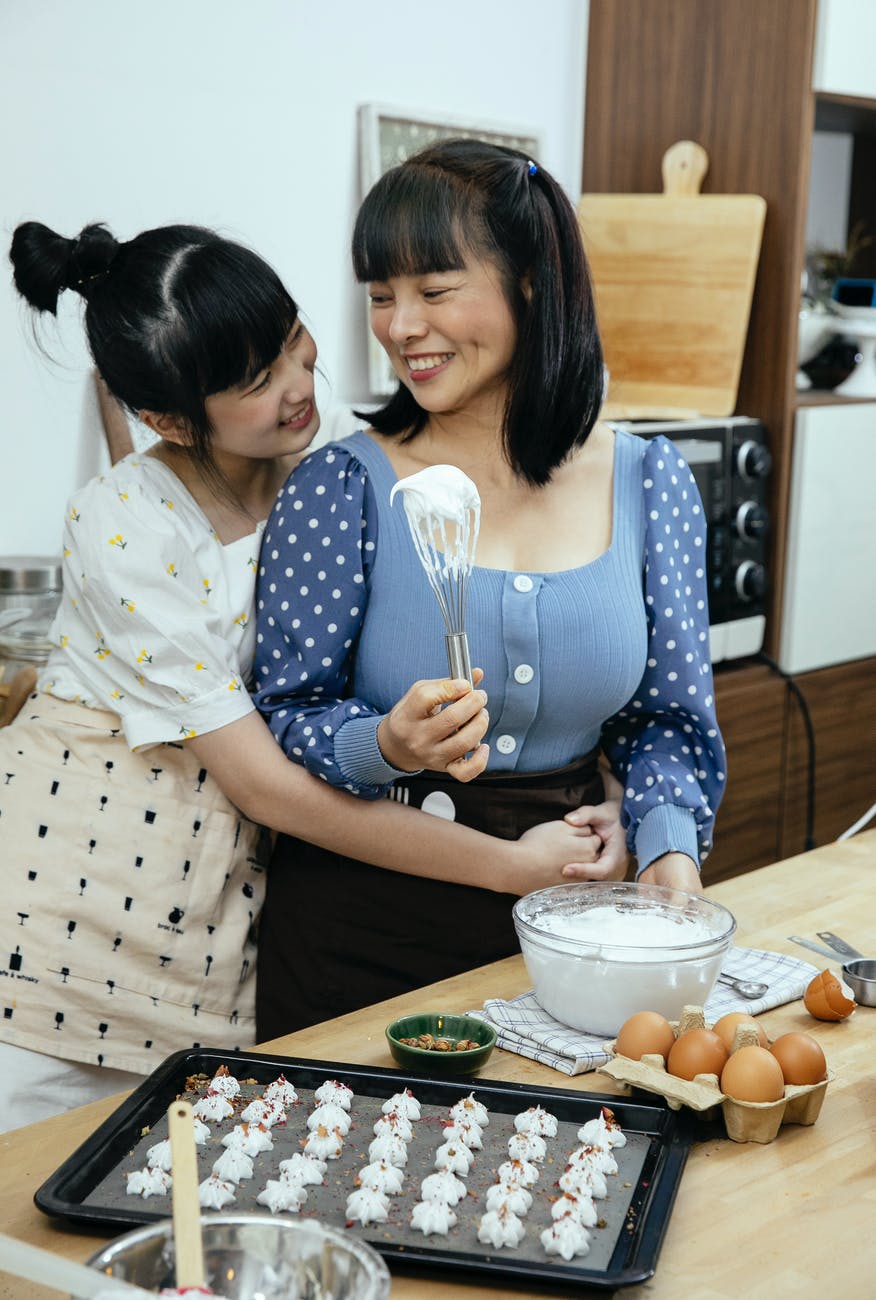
(750, 989)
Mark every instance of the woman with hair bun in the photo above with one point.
(139, 775)
(586, 608)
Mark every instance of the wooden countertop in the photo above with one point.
(792, 1218)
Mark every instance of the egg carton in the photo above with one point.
(745, 1121)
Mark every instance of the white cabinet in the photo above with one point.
(829, 605)
(845, 48)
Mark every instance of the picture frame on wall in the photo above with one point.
(387, 137)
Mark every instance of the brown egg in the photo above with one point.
(800, 1057)
(725, 1028)
(827, 998)
(645, 1033)
(699, 1051)
(753, 1074)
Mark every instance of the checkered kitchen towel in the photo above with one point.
(524, 1027)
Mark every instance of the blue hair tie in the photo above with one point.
(532, 168)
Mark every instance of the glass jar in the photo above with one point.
(30, 593)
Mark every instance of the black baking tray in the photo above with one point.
(80, 1189)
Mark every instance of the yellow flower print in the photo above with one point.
(74, 515)
(67, 552)
(116, 694)
(205, 582)
(199, 667)
(64, 641)
(187, 733)
(242, 620)
(102, 651)
(252, 562)
(234, 685)
(166, 502)
(127, 604)
(118, 541)
(144, 657)
(123, 496)
(141, 679)
(172, 571)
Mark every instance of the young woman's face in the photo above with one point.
(275, 413)
(450, 335)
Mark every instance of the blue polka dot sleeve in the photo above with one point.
(311, 597)
(665, 744)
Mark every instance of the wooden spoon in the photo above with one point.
(188, 1248)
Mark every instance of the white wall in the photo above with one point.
(240, 116)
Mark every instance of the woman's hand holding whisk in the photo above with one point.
(438, 725)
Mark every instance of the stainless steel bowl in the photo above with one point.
(860, 975)
(255, 1257)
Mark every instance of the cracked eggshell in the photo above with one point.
(828, 998)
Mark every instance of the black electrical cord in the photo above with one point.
(793, 687)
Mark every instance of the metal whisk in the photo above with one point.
(443, 510)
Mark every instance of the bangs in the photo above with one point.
(235, 314)
(410, 224)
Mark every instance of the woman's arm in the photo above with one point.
(251, 769)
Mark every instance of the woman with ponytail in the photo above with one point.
(587, 608)
(139, 776)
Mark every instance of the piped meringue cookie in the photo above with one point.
(324, 1143)
(596, 1157)
(469, 1108)
(281, 1091)
(263, 1111)
(501, 1228)
(578, 1207)
(334, 1091)
(233, 1166)
(160, 1156)
(251, 1139)
(523, 1172)
(510, 1195)
(148, 1182)
(330, 1115)
(214, 1193)
(454, 1156)
(583, 1180)
(382, 1177)
(225, 1083)
(465, 1131)
(212, 1106)
(443, 1186)
(390, 1148)
(201, 1132)
(603, 1132)
(527, 1146)
(433, 1216)
(395, 1123)
(404, 1102)
(536, 1120)
(368, 1206)
(303, 1169)
(566, 1237)
(278, 1194)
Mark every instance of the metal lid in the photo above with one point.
(30, 573)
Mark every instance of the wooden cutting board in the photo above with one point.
(673, 276)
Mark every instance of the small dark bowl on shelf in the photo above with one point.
(834, 363)
(451, 1029)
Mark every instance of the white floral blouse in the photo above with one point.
(156, 620)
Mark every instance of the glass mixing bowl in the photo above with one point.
(597, 952)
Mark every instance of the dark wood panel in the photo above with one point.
(842, 705)
(736, 77)
(751, 704)
(847, 114)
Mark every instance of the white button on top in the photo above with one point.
(523, 582)
(524, 673)
(506, 744)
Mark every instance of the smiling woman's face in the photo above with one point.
(275, 413)
(450, 335)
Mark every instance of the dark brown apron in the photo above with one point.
(337, 934)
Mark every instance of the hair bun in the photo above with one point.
(44, 262)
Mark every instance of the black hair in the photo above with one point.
(172, 316)
(459, 198)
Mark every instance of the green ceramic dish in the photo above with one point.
(439, 1025)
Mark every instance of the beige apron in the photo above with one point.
(131, 888)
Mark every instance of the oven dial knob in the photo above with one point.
(753, 460)
(752, 521)
(750, 580)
